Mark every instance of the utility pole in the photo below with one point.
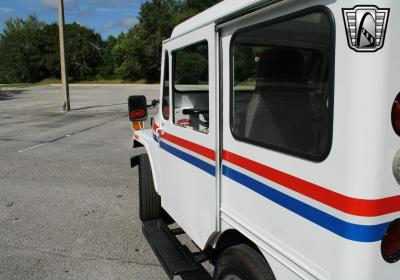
(64, 75)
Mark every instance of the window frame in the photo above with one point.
(164, 89)
(331, 82)
(172, 81)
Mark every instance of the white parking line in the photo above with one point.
(31, 148)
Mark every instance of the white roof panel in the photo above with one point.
(221, 10)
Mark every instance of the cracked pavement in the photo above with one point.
(68, 198)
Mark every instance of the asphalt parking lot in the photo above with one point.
(68, 201)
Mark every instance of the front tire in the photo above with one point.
(241, 262)
(149, 200)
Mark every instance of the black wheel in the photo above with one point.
(241, 262)
(149, 200)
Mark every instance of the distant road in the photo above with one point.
(68, 205)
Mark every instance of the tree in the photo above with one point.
(21, 51)
(127, 54)
(107, 69)
(29, 50)
(190, 8)
(142, 43)
(191, 65)
(83, 51)
(157, 18)
(50, 51)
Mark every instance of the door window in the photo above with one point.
(282, 85)
(190, 87)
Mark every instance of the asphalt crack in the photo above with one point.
(70, 134)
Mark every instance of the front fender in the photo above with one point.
(147, 139)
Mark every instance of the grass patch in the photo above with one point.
(57, 82)
(114, 82)
(49, 82)
(25, 85)
(16, 85)
(107, 82)
(140, 82)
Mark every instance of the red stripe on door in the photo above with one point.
(350, 205)
(201, 150)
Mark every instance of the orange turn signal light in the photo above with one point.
(137, 125)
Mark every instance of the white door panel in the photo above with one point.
(188, 184)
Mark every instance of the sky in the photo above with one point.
(107, 17)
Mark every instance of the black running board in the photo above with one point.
(175, 258)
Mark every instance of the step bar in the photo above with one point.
(175, 258)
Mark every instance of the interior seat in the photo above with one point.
(280, 113)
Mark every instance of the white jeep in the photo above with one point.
(276, 146)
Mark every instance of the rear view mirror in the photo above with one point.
(137, 108)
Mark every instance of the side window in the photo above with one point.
(282, 85)
(190, 87)
(165, 100)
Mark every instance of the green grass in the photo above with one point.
(114, 82)
(141, 82)
(24, 85)
(49, 82)
(111, 82)
(16, 85)
(56, 81)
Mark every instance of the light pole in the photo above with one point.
(64, 73)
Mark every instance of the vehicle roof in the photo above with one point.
(219, 11)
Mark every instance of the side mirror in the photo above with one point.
(137, 108)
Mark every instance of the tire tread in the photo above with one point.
(149, 200)
(244, 262)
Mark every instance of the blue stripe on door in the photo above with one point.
(350, 231)
(210, 169)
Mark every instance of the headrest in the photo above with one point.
(281, 65)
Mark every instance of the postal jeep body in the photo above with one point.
(276, 145)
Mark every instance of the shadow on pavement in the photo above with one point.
(98, 106)
(196, 276)
(10, 93)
